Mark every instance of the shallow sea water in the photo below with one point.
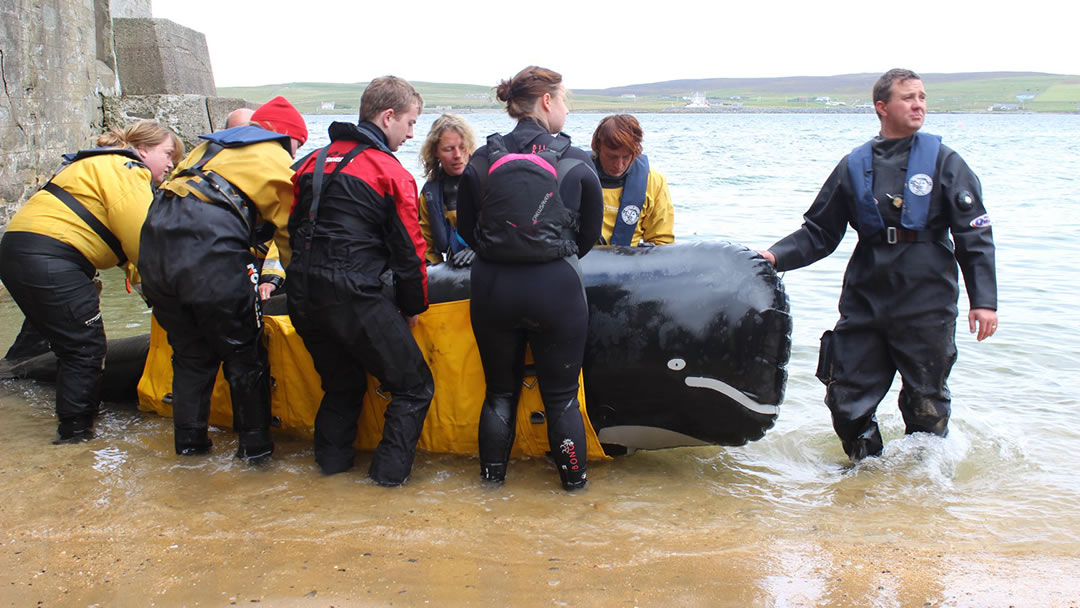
(986, 517)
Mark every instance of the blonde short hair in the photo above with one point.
(429, 157)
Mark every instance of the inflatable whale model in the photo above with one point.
(687, 344)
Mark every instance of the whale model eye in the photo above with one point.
(676, 364)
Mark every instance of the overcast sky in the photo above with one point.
(598, 44)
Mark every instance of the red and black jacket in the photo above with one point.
(366, 221)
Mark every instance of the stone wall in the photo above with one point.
(129, 9)
(55, 63)
(62, 82)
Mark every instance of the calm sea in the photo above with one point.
(1004, 483)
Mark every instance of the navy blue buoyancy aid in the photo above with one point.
(443, 236)
(918, 185)
(631, 202)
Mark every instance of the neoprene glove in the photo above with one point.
(463, 258)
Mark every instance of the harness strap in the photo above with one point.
(91, 220)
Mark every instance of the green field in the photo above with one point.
(968, 92)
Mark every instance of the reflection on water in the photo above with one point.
(986, 517)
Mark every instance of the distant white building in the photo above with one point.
(327, 105)
(697, 100)
(628, 96)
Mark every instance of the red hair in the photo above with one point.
(618, 131)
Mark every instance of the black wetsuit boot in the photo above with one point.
(496, 435)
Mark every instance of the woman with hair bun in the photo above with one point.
(88, 216)
(526, 283)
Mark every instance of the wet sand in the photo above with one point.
(122, 521)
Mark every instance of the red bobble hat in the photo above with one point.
(280, 116)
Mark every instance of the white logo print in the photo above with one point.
(921, 184)
(630, 214)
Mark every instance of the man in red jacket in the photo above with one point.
(355, 219)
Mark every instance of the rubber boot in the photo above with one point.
(394, 456)
(192, 442)
(249, 383)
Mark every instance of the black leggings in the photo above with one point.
(541, 305)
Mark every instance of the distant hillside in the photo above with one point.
(963, 92)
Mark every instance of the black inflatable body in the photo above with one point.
(124, 363)
(688, 344)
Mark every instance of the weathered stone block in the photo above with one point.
(185, 115)
(160, 57)
(126, 9)
(219, 108)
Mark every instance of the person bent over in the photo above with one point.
(200, 274)
(905, 193)
(356, 218)
(86, 217)
(637, 205)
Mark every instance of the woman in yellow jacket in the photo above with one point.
(637, 205)
(445, 154)
(88, 216)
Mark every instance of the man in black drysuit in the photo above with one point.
(355, 218)
(904, 193)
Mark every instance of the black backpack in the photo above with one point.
(522, 217)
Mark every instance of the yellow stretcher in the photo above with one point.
(444, 334)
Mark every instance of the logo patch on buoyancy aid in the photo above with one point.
(522, 217)
(983, 221)
(630, 214)
(921, 184)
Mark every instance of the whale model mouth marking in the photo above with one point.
(732, 393)
(638, 437)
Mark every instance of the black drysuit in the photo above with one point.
(366, 223)
(540, 304)
(898, 306)
(201, 276)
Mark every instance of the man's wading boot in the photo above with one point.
(255, 447)
(192, 442)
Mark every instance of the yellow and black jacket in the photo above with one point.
(114, 186)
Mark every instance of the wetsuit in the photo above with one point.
(440, 195)
(653, 217)
(898, 306)
(366, 223)
(200, 273)
(540, 304)
(48, 259)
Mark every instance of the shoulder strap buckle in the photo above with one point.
(890, 235)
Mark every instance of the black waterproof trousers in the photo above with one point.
(351, 332)
(858, 364)
(199, 273)
(543, 306)
(53, 285)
